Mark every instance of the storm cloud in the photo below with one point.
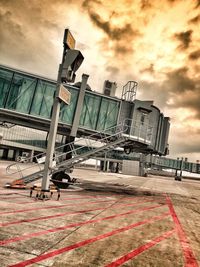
(185, 38)
(178, 81)
(145, 4)
(197, 3)
(195, 55)
(120, 35)
(146, 41)
(195, 20)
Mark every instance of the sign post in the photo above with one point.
(62, 94)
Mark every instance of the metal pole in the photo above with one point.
(181, 169)
(104, 166)
(79, 105)
(54, 123)
(52, 135)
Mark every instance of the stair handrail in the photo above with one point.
(93, 135)
(85, 156)
(117, 134)
(19, 170)
(133, 124)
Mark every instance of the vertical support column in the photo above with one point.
(79, 105)
(96, 164)
(31, 155)
(51, 145)
(108, 166)
(105, 163)
(16, 154)
(52, 137)
(181, 169)
(75, 125)
(142, 165)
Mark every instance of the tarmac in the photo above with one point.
(106, 219)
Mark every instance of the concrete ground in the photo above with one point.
(106, 220)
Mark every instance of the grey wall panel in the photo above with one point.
(130, 167)
(165, 134)
(126, 111)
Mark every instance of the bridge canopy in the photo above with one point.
(33, 95)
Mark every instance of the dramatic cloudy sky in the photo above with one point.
(156, 43)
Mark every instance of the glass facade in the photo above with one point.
(108, 114)
(90, 111)
(99, 113)
(5, 81)
(20, 93)
(33, 95)
(42, 100)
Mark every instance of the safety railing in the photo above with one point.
(129, 128)
(141, 132)
(91, 143)
(59, 156)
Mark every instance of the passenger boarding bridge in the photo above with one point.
(27, 99)
(135, 125)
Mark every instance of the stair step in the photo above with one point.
(108, 142)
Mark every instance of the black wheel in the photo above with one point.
(127, 150)
(61, 179)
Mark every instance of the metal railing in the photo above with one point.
(141, 132)
(89, 143)
(75, 150)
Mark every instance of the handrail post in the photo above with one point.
(19, 170)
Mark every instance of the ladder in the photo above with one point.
(81, 150)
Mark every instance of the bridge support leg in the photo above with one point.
(68, 140)
(142, 165)
(79, 105)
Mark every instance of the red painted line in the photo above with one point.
(53, 230)
(190, 260)
(54, 207)
(140, 249)
(86, 242)
(13, 197)
(88, 197)
(51, 207)
(35, 201)
(92, 197)
(74, 198)
(48, 217)
(69, 213)
(78, 198)
(100, 196)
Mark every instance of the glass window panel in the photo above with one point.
(38, 98)
(90, 111)
(5, 80)
(67, 111)
(108, 114)
(21, 93)
(43, 99)
(102, 115)
(47, 99)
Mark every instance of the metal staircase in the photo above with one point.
(79, 151)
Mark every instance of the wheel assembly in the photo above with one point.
(61, 179)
